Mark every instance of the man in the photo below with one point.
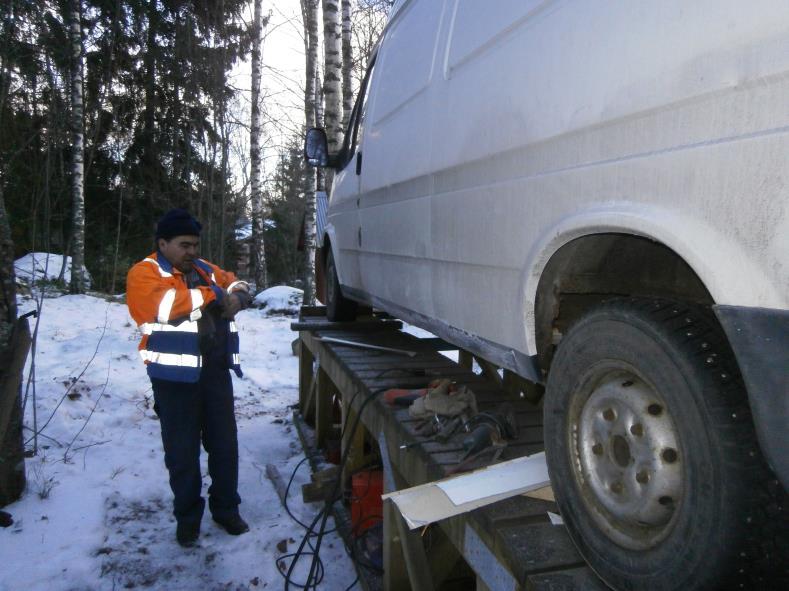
(184, 307)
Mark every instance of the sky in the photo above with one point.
(96, 513)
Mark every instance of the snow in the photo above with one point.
(244, 232)
(40, 266)
(280, 299)
(96, 513)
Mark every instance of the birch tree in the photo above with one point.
(77, 152)
(332, 72)
(347, 64)
(259, 252)
(309, 12)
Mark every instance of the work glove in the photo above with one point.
(235, 301)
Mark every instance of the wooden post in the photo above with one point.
(465, 359)
(323, 407)
(395, 573)
(490, 371)
(443, 556)
(353, 439)
(518, 386)
(306, 359)
(415, 555)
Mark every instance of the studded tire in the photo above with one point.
(338, 307)
(653, 456)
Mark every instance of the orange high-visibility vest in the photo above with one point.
(166, 311)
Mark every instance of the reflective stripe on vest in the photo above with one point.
(168, 299)
(185, 326)
(171, 359)
(197, 301)
(166, 305)
(162, 272)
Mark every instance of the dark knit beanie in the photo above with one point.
(177, 222)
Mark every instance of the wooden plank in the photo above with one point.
(276, 480)
(314, 324)
(437, 344)
(581, 578)
(365, 372)
(312, 311)
(538, 548)
(519, 510)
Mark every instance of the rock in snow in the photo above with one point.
(280, 299)
(39, 266)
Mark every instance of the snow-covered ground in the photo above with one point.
(97, 510)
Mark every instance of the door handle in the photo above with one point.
(358, 163)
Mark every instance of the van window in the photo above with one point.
(354, 132)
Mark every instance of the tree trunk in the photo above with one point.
(117, 229)
(332, 75)
(149, 156)
(347, 64)
(309, 11)
(77, 153)
(14, 343)
(258, 246)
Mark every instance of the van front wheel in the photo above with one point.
(338, 308)
(652, 452)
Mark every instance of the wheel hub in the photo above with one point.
(628, 460)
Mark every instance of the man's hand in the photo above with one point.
(231, 304)
(235, 301)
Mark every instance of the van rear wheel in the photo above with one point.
(338, 308)
(653, 455)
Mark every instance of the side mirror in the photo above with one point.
(316, 147)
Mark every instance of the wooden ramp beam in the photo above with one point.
(507, 546)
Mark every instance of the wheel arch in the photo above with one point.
(593, 267)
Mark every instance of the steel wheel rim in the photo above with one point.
(626, 456)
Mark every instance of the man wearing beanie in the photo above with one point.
(184, 307)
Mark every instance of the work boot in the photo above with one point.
(187, 533)
(233, 524)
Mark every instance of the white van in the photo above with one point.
(595, 195)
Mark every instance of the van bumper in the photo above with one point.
(760, 340)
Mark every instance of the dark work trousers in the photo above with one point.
(189, 413)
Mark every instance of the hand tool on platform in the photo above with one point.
(486, 429)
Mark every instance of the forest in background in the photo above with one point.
(162, 125)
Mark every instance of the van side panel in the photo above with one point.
(395, 237)
(551, 120)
